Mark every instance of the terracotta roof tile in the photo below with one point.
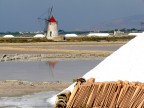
(118, 94)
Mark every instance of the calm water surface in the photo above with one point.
(41, 71)
(46, 71)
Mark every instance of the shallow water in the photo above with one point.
(101, 48)
(36, 100)
(46, 71)
(41, 71)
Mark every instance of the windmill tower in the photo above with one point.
(52, 25)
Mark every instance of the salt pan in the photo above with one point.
(127, 63)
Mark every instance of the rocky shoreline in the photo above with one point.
(47, 57)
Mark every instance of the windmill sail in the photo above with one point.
(50, 12)
(46, 19)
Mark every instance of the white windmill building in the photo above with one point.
(52, 30)
(51, 25)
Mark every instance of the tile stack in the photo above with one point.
(120, 94)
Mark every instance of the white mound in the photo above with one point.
(71, 35)
(127, 63)
(98, 34)
(39, 36)
(124, 64)
(8, 36)
(134, 34)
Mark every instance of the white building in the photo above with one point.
(52, 28)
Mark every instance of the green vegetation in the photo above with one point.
(98, 38)
(67, 39)
(23, 40)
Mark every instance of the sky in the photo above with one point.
(22, 15)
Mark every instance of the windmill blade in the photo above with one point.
(46, 26)
(40, 18)
(50, 12)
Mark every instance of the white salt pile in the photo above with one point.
(71, 35)
(127, 63)
(98, 34)
(134, 34)
(124, 64)
(8, 36)
(39, 36)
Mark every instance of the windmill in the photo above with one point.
(51, 26)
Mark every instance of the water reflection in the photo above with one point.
(51, 65)
(46, 71)
(41, 71)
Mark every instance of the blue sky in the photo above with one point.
(21, 15)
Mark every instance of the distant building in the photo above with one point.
(118, 33)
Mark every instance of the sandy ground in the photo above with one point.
(17, 88)
(56, 50)
(46, 51)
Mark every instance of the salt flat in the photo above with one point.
(56, 50)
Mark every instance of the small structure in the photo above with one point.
(98, 34)
(118, 33)
(8, 36)
(39, 36)
(71, 35)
